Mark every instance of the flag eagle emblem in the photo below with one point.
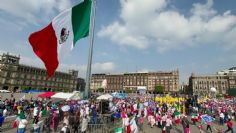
(64, 35)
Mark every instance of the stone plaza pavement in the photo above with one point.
(193, 128)
(18, 96)
(176, 129)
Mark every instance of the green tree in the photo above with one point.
(24, 88)
(128, 90)
(159, 89)
(100, 89)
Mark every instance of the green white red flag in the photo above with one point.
(61, 34)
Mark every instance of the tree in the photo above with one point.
(100, 89)
(128, 90)
(159, 89)
(24, 88)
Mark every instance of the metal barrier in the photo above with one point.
(8, 122)
(97, 128)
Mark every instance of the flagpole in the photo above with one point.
(91, 31)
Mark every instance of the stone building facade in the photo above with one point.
(119, 82)
(232, 80)
(231, 74)
(15, 76)
(201, 85)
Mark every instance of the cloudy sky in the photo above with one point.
(133, 35)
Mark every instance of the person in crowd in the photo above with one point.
(47, 122)
(140, 122)
(22, 123)
(152, 121)
(5, 112)
(163, 130)
(65, 129)
(76, 126)
(184, 122)
(36, 127)
(128, 127)
(158, 120)
(230, 126)
(84, 123)
(36, 114)
(1, 122)
(54, 122)
(94, 115)
(222, 118)
(209, 126)
(163, 120)
(168, 124)
(124, 117)
(187, 129)
(200, 127)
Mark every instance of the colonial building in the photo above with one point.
(231, 74)
(201, 85)
(15, 76)
(120, 82)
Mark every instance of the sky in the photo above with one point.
(193, 36)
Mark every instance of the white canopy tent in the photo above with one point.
(104, 97)
(4, 91)
(213, 89)
(62, 95)
(76, 95)
(142, 89)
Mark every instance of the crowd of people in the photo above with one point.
(46, 115)
(165, 115)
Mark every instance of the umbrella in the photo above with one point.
(104, 97)
(65, 108)
(145, 104)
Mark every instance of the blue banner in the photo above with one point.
(206, 119)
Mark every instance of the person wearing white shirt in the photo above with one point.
(36, 113)
(65, 128)
(222, 118)
(5, 112)
(87, 110)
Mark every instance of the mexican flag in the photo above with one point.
(61, 35)
(177, 117)
(194, 117)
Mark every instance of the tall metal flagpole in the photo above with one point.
(91, 31)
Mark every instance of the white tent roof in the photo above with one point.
(5, 91)
(62, 95)
(104, 97)
(76, 96)
(213, 89)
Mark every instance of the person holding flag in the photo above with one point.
(194, 117)
(177, 117)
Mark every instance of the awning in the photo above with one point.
(32, 91)
(62, 95)
(46, 95)
(104, 97)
